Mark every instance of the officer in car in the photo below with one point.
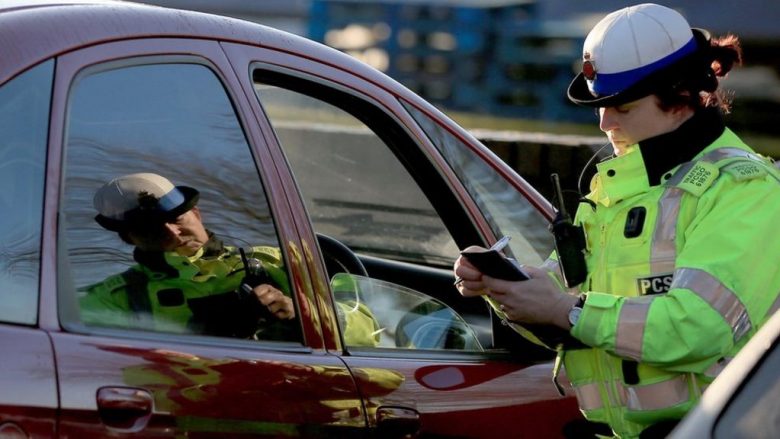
(186, 280)
(680, 229)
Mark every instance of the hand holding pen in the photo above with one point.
(498, 246)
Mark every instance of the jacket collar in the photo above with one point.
(644, 164)
(171, 263)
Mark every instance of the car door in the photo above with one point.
(403, 188)
(173, 107)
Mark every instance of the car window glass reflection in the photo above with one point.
(24, 120)
(359, 191)
(404, 318)
(354, 187)
(164, 210)
(509, 213)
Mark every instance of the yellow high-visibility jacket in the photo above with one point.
(669, 304)
(158, 293)
(681, 273)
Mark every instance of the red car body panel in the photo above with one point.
(208, 391)
(77, 384)
(28, 379)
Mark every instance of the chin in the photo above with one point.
(619, 147)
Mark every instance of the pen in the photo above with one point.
(498, 246)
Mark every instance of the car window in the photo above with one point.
(355, 188)
(355, 168)
(507, 211)
(177, 121)
(405, 318)
(24, 122)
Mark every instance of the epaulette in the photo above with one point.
(742, 170)
(698, 178)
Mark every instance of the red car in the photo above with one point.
(292, 145)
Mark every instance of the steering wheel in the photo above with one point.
(339, 258)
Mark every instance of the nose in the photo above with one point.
(607, 120)
(172, 230)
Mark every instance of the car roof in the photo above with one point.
(35, 30)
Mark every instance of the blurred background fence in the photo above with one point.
(488, 56)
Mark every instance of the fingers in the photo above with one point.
(470, 288)
(468, 278)
(464, 270)
(277, 303)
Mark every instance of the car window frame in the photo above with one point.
(243, 57)
(367, 101)
(327, 87)
(70, 67)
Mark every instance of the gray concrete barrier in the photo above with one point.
(536, 156)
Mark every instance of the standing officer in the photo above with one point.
(680, 227)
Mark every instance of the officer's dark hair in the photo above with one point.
(699, 88)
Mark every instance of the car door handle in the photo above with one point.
(124, 408)
(397, 422)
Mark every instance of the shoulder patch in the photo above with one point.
(699, 178)
(745, 170)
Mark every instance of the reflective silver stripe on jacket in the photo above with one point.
(588, 396)
(726, 153)
(661, 395)
(717, 295)
(654, 396)
(631, 327)
(663, 251)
